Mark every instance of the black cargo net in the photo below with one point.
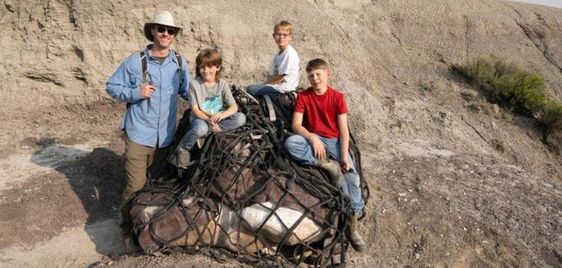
(244, 194)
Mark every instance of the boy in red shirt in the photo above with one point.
(320, 121)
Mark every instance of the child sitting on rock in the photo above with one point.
(320, 124)
(284, 70)
(212, 105)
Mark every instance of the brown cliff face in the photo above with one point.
(456, 181)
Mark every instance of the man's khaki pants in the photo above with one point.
(138, 158)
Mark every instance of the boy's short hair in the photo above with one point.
(317, 64)
(208, 57)
(285, 25)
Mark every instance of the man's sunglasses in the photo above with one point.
(171, 31)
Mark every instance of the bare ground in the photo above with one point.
(429, 207)
(455, 181)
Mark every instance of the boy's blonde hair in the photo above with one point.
(285, 25)
(209, 57)
(317, 64)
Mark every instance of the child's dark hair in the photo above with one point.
(317, 64)
(208, 57)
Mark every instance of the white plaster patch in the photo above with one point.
(19, 168)
(280, 222)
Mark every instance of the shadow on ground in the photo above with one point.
(96, 177)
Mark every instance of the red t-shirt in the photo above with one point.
(320, 112)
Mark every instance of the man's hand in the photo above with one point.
(318, 147)
(146, 90)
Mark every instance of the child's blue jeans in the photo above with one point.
(261, 89)
(301, 150)
(200, 128)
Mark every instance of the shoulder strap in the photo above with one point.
(144, 66)
(144, 63)
(179, 59)
(144, 69)
(179, 62)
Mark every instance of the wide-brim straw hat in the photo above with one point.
(160, 18)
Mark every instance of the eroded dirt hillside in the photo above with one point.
(455, 181)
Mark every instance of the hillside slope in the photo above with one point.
(455, 181)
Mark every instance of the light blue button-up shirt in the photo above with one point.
(150, 121)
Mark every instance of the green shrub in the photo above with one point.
(552, 115)
(514, 88)
(507, 84)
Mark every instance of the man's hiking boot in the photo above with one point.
(353, 235)
(181, 158)
(333, 169)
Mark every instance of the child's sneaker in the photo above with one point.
(333, 169)
(181, 158)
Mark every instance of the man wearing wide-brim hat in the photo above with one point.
(150, 120)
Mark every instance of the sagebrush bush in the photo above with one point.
(514, 88)
(508, 84)
(552, 115)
